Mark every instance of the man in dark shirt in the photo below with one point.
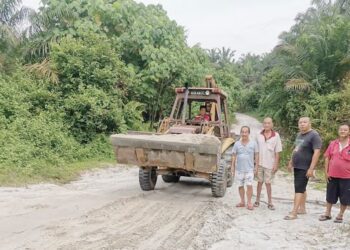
(304, 160)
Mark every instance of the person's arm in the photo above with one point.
(315, 157)
(256, 157)
(327, 157)
(233, 164)
(278, 149)
(277, 162)
(326, 167)
(290, 163)
(316, 145)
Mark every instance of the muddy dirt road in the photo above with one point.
(106, 209)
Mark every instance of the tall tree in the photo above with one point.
(12, 14)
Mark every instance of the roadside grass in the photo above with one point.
(319, 185)
(19, 176)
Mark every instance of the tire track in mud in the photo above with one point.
(155, 225)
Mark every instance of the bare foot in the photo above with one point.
(241, 204)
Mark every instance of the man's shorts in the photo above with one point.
(244, 178)
(265, 175)
(300, 180)
(338, 188)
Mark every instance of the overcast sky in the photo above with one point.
(242, 25)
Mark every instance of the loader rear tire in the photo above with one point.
(219, 182)
(147, 178)
(170, 178)
(230, 179)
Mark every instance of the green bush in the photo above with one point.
(34, 135)
(92, 111)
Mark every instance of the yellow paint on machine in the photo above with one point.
(226, 143)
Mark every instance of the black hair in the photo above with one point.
(202, 107)
(246, 128)
(344, 124)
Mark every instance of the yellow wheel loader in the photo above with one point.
(185, 144)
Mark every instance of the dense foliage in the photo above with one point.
(76, 71)
(307, 73)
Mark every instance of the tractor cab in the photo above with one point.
(198, 110)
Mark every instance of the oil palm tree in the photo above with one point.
(12, 15)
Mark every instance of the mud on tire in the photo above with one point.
(147, 178)
(229, 179)
(219, 181)
(170, 178)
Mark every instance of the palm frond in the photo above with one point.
(298, 84)
(287, 49)
(345, 60)
(2, 61)
(7, 9)
(20, 16)
(44, 70)
(8, 34)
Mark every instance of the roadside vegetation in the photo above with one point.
(76, 71)
(306, 74)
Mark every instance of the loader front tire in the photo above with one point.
(147, 178)
(229, 179)
(219, 181)
(168, 178)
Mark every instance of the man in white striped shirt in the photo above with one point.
(269, 145)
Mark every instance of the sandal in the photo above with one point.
(256, 204)
(324, 217)
(240, 204)
(338, 220)
(271, 207)
(290, 217)
(250, 207)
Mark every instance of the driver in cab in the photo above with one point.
(202, 116)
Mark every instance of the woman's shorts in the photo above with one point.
(244, 178)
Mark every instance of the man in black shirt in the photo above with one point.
(304, 160)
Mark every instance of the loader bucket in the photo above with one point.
(191, 152)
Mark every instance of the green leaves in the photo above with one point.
(306, 73)
(88, 60)
(91, 111)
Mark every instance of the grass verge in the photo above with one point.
(15, 176)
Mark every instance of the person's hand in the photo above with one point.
(310, 173)
(290, 167)
(274, 169)
(326, 176)
(256, 170)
